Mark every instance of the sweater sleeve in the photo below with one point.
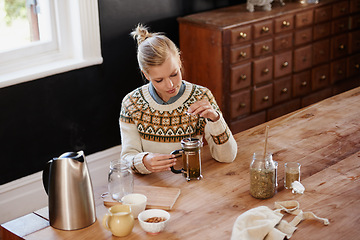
(223, 146)
(132, 152)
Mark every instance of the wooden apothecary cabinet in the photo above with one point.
(262, 65)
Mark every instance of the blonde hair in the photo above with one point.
(153, 48)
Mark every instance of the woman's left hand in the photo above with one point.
(204, 109)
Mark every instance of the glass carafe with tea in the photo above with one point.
(191, 156)
(263, 172)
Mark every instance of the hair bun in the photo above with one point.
(141, 33)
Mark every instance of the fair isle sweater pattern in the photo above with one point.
(168, 126)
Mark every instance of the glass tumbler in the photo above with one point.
(120, 180)
(292, 173)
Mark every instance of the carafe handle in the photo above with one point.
(177, 153)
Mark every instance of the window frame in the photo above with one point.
(76, 44)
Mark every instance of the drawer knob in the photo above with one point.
(343, 10)
(323, 77)
(242, 77)
(357, 66)
(285, 64)
(284, 90)
(265, 29)
(341, 47)
(266, 98)
(242, 54)
(286, 23)
(265, 48)
(241, 105)
(304, 83)
(265, 71)
(243, 35)
(340, 72)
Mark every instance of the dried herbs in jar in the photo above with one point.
(262, 176)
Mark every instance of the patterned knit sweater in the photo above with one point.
(147, 126)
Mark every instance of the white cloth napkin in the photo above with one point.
(263, 223)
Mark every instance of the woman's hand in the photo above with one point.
(157, 162)
(204, 109)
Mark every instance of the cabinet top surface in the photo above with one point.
(238, 15)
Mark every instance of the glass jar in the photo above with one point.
(120, 180)
(262, 176)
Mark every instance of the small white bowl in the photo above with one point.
(153, 228)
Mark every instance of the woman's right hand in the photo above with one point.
(157, 162)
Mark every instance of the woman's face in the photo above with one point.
(166, 78)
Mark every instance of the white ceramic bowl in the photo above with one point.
(153, 228)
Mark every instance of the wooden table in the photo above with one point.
(324, 138)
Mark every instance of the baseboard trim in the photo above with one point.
(27, 194)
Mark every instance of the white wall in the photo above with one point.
(27, 194)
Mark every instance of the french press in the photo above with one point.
(191, 156)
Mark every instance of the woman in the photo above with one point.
(155, 117)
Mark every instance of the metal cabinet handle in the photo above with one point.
(285, 23)
(265, 29)
(265, 70)
(341, 47)
(265, 48)
(323, 77)
(242, 54)
(242, 77)
(243, 35)
(266, 98)
(284, 90)
(304, 83)
(285, 64)
(241, 105)
(357, 66)
(340, 72)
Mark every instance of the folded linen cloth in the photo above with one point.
(262, 223)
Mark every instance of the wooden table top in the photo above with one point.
(324, 138)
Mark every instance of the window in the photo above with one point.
(62, 35)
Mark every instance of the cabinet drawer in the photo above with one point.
(248, 122)
(303, 36)
(316, 97)
(339, 46)
(338, 70)
(263, 47)
(320, 77)
(304, 19)
(241, 34)
(283, 109)
(240, 104)
(354, 22)
(284, 23)
(354, 42)
(322, 14)
(340, 9)
(321, 51)
(282, 89)
(302, 58)
(262, 97)
(354, 66)
(262, 70)
(262, 29)
(301, 83)
(340, 25)
(240, 53)
(354, 6)
(283, 41)
(240, 76)
(322, 30)
(282, 64)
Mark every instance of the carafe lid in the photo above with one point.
(190, 143)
